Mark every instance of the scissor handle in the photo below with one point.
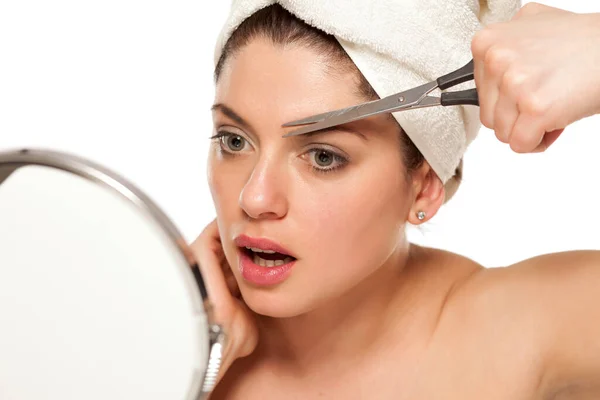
(461, 75)
(468, 96)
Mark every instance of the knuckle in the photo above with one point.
(481, 41)
(512, 82)
(209, 233)
(203, 237)
(497, 60)
(201, 244)
(532, 104)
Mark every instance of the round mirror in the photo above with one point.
(100, 297)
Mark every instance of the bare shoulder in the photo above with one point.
(528, 288)
(541, 313)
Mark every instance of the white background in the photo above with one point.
(128, 83)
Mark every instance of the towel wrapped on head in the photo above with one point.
(400, 44)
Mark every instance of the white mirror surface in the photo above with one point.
(94, 299)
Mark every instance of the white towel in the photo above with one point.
(400, 44)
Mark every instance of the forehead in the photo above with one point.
(288, 82)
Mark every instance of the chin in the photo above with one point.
(275, 302)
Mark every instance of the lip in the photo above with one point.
(256, 274)
(261, 243)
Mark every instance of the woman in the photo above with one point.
(349, 308)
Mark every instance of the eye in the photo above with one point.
(324, 160)
(234, 142)
(231, 142)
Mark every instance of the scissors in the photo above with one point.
(408, 100)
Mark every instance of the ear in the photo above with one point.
(429, 194)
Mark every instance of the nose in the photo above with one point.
(263, 196)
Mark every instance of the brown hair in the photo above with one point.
(283, 28)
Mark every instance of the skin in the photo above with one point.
(417, 323)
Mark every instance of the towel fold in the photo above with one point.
(400, 44)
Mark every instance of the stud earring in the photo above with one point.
(421, 215)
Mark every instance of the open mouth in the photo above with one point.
(267, 258)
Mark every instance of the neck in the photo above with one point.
(392, 301)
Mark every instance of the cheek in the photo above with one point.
(356, 225)
(225, 183)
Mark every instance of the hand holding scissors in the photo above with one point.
(534, 76)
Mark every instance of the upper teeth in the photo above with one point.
(270, 263)
(261, 251)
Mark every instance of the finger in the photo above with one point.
(230, 279)
(250, 340)
(479, 74)
(235, 290)
(482, 40)
(480, 46)
(507, 110)
(232, 285)
(505, 116)
(497, 60)
(548, 140)
(488, 96)
(527, 133)
(206, 249)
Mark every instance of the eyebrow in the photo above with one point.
(336, 128)
(231, 114)
(227, 111)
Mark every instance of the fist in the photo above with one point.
(536, 74)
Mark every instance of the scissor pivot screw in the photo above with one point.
(401, 99)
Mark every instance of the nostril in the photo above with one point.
(267, 215)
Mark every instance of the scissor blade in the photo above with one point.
(395, 102)
(327, 123)
(320, 117)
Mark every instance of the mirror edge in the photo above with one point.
(12, 160)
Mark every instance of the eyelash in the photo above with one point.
(341, 160)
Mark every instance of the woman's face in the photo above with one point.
(336, 201)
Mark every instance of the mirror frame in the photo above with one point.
(12, 160)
